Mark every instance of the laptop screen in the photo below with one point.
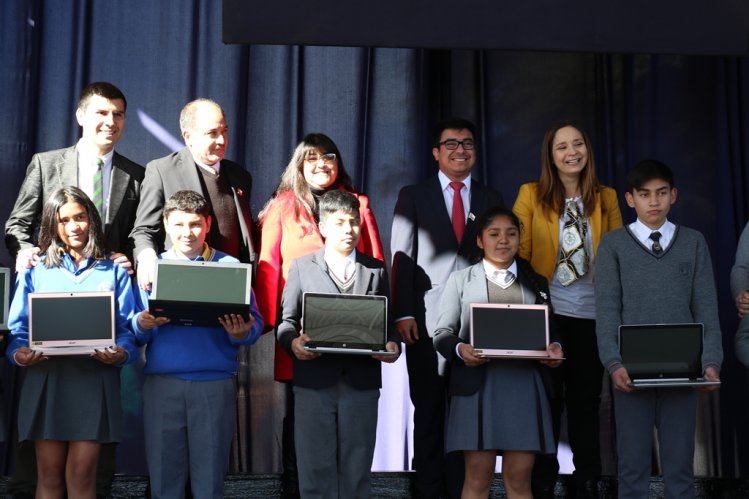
(506, 329)
(202, 282)
(4, 296)
(657, 351)
(71, 319)
(345, 321)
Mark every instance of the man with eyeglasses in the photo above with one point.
(433, 234)
(199, 167)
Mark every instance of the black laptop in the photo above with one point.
(663, 355)
(346, 324)
(198, 293)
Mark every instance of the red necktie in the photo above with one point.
(459, 215)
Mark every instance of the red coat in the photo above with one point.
(284, 239)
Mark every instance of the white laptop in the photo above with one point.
(663, 355)
(4, 297)
(346, 324)
(509, 330)
(197, 293)
(71, 323)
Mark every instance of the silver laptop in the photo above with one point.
(4, 297)
(509, 330)
(348, 324)
(71, 323)
(197, 293)
(663, 355)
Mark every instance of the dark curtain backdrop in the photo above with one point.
(378, 105)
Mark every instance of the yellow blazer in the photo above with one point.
(539, 237)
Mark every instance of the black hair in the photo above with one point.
(647, 170)
(50, 242)
(451, 124)
(187, 201)
(102, 89)
(333, 201)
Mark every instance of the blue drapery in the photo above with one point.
(378, 105)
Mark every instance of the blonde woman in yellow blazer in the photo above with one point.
(568, 182)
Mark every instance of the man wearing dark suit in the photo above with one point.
(101, 115)
(335, 395)
(199, 167)
(433, 234)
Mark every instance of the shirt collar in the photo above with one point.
(642, 231)
(445, 181)
(88, 160)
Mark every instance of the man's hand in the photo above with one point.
(742, 303)
(236, 326)
(470, 356)
(621, 380)
(146, 265)
(408, 330)
(148, 321)
(27, 258)
(711, 374)
(390, 346)
(122, 260)
(297, 346)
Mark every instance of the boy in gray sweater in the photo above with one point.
(653, 271)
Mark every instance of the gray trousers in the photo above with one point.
(188, 430)
(335, 431)
(673, 412)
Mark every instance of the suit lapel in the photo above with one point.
(67, 168)
(324, 279)
(188, 171)
(117, 188)
(364, 276)
(436, 199)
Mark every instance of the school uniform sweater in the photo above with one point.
(635, 286)
(193, 353)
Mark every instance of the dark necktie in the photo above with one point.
(458, 215)
(98, 195)
(573, 259)
(656, 237)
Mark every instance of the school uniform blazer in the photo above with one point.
(51, 170)
(177, 172)
(424, 249)
(283, 238)
(539, 238)
(453, 325)
(309, 273)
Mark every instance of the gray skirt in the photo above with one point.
(70, 398)
(510, 411)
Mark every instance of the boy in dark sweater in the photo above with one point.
(335, 395)
(189, 396)
(653, 271)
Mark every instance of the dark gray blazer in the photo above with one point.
(453, 325)
(425, 251)
(310, 273)
(176, 172)
(51, 170)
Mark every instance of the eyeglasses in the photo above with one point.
(453, 144)
(327, 158)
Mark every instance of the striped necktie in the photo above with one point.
(98, 194)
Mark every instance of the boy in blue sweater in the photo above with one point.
(189, 396)
(653, 271)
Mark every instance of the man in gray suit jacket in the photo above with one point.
(101, 115)
(199, 167)
(433, 234)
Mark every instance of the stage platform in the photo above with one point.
(397, 485)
